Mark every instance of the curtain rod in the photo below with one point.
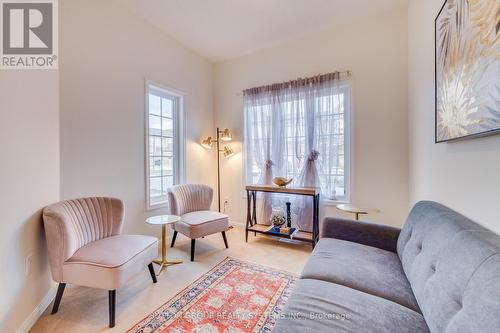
(297, 82)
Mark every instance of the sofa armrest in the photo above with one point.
(376, 235)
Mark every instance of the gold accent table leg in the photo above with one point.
(163, 262)
(162, 267)
(164, 243)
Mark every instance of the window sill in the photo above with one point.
(157, 206)
(329, 202)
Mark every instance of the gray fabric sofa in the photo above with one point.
(439, 273)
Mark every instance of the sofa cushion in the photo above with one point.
(319, 306)
(109, 262)
(461, 288)
(480, 301)
(365, 268)
(453, 267)
(202, 223)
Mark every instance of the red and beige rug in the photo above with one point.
(234, 297)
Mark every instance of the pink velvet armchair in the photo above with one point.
(86, 247)
(192, 203)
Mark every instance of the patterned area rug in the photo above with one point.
(234, 297)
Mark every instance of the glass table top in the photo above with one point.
(163, 219)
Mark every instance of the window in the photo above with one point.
(291, 126)
(164, 146)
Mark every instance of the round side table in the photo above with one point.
(357, 210)
(164, 220)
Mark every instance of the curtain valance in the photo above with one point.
(300, 82)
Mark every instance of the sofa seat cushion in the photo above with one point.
(202, 223)
(319, 306)
(365, 268)
(109, 262)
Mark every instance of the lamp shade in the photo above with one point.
(207, 143)
(226, 135)
(228, 152)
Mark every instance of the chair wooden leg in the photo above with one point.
(112, 307)
(193, 242)
(152, 272)
(225, 239)
(57, 301)
(174, 236)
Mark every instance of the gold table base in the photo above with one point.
(163, 262)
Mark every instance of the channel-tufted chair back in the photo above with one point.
(453, 266)
(72, 224)
(189, 198)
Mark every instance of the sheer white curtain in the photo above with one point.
(263, 144)
(295, 129)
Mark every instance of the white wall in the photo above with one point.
(462, 175)
(29, 180)
(106, 54)
(375, 50)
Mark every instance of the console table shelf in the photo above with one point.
(299, 235)
(253, 226)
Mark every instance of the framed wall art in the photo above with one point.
(467, 69)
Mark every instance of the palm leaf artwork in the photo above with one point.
(467, 69)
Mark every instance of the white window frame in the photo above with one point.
(348, 111)
(179, 136)
(347, 88)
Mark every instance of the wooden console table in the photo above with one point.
(253, 226)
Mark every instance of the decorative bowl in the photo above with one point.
(281, 181)
(278, 217)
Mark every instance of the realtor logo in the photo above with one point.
(29, 34)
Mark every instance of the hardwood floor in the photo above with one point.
(86, 309)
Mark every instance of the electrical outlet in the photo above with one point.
(27, 264)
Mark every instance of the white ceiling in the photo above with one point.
(225, 29)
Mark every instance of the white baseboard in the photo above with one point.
(38, 311)
(237, 223)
